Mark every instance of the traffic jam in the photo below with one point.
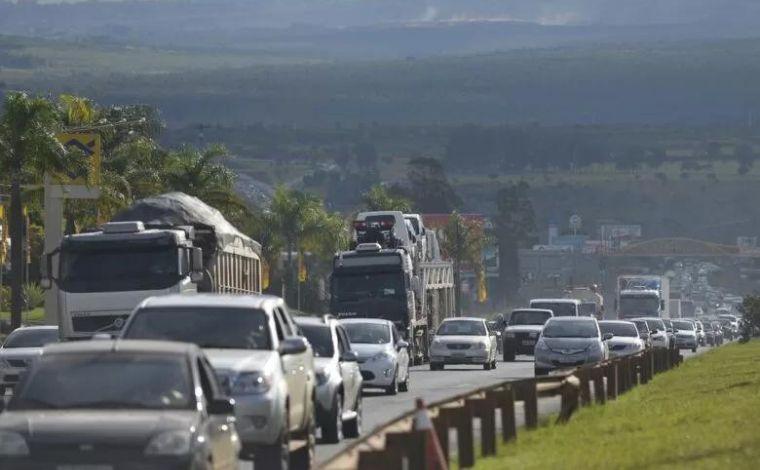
(167, 355)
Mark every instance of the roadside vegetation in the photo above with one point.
(695, 416)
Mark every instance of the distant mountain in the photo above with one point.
(340, 29)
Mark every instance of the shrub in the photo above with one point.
(750, 310)
(34, 296)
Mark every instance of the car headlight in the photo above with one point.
(541, 345)
(170, 443)
(12, 444)
(382, 356)
(250, 383)
(509, 334)
(322, 376)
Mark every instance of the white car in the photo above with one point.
(625, 340)
(463, 340)
(383, 356)
(686, 335)
(339, 380)
(658, 334)
(559, 307)
(21, 347)
(260, 360)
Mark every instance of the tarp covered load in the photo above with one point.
(212, 230)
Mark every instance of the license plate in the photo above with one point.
(84, 467)
(527, 342)
(458, 354)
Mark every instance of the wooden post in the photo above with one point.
(505, 401)
(465, 441)
(441, 425)
(379, 460)
(530, 401)
(570, 395)
(599, 394)
(409, 444)
(612, 380)
(484, 409)
(583, 376)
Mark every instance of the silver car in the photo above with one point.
(383, 356)
(463, 340)
(658, 335)
(686, 334)
(339, 380)
(570, 342)
(625, 340)
(21, 347)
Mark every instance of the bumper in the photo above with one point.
(10, 376)
(479, 357)
(686, 343)
(520, 345)
(552, 361)
(378, 373)
(259, 418)
(623, 352)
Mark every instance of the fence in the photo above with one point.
(397, 445)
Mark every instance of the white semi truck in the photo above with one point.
(168, 244)
(643, 296)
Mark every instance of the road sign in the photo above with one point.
(89, 144)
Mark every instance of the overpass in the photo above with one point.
(683, 247)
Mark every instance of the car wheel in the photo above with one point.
(404, 386)
(303, 458)
(392, 389)
(275, 456)
(435, 366)
(493, 364)
(539, 372)
(487, 366)
(332, 430)
(353, 427)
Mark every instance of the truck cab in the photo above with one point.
(639, 303)
(103, 275)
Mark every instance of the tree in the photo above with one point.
(463, 242)
(514, 228)
(28, 148)
(750, 310)
(429, 188)
(378, 198)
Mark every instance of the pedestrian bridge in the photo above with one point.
(683, 247)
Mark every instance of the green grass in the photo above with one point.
(35, 316)
(703, 415)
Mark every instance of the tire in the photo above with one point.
(275, 456)
(436, 366)
(353, 428)
(493, 364)
(487, 366)
(540, 372)
(404, 386)
(303, 458)
(509, 356)
(332, 429)
(392, 389)
(694, 349)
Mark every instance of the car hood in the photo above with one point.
(241, 359)
(118, 427)
(686, 332)
(365, 351)
(569, 345)
(19, 353)
(624, 340)
(526, 328)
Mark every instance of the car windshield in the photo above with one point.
(642, 326)
(571, 329)
(368, 333)
(560, 309)
(107, 381)
(320, 338)
(208, 327)
(619, 329)
(655, 324)
(461, 328)
(31, 338)
(522, 317)
(683, 325)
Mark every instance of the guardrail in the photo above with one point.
(396, 444)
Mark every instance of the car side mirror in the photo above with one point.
(654, 332)
(401, 344)
(221, 406)
(607, 336)
(349, 356)
(296, 345)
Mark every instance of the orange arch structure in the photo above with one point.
(680, 247)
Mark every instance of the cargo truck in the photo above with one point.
(168, 244)
(642, 296)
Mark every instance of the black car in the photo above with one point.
(119, 405)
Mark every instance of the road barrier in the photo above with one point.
(397, 444)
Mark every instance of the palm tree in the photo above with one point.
(379, 198)
(28, 148)
(463, 242)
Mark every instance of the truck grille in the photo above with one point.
(16, 362)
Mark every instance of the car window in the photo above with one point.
(368, 333)
(287, 328)
(462, 328)
(31, 338)
(278, 325)
(345, 344)
(320, 338)
(560, 309)
(571, 329)
(526, 317)
(619, 329)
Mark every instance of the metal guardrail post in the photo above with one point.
(484, 409)
(441, 424)
(379, 460)
(570, 394)
(583, 376)
(411, 444)
(505, 401)
(461, 419)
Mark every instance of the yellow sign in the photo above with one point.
(89, 144)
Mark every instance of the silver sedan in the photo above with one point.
(463, 340)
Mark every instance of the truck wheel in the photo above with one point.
(353, 427)
(509, 356)
(332, 430)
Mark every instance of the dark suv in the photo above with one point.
(522, 331)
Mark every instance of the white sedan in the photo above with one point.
(463, 340)
(625, 340)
